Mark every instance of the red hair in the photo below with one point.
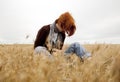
(67, 23)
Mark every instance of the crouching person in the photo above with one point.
(53, 35)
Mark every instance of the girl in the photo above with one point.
(53, 35)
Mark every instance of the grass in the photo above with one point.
(18, 63)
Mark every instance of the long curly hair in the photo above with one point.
(66, 22)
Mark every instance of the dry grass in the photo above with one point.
(18, 63)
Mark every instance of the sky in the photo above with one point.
(97, 21)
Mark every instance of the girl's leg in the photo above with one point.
(42, 50)
(76, 48)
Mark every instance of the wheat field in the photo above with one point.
(18, 63)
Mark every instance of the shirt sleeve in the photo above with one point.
(42, 36)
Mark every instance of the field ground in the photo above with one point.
(18, 63)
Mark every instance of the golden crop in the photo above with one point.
(18, 63)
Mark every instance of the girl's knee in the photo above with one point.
(39, 50)
(76, 44)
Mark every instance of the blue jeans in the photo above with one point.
(77, 49)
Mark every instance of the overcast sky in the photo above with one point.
(96, 20)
